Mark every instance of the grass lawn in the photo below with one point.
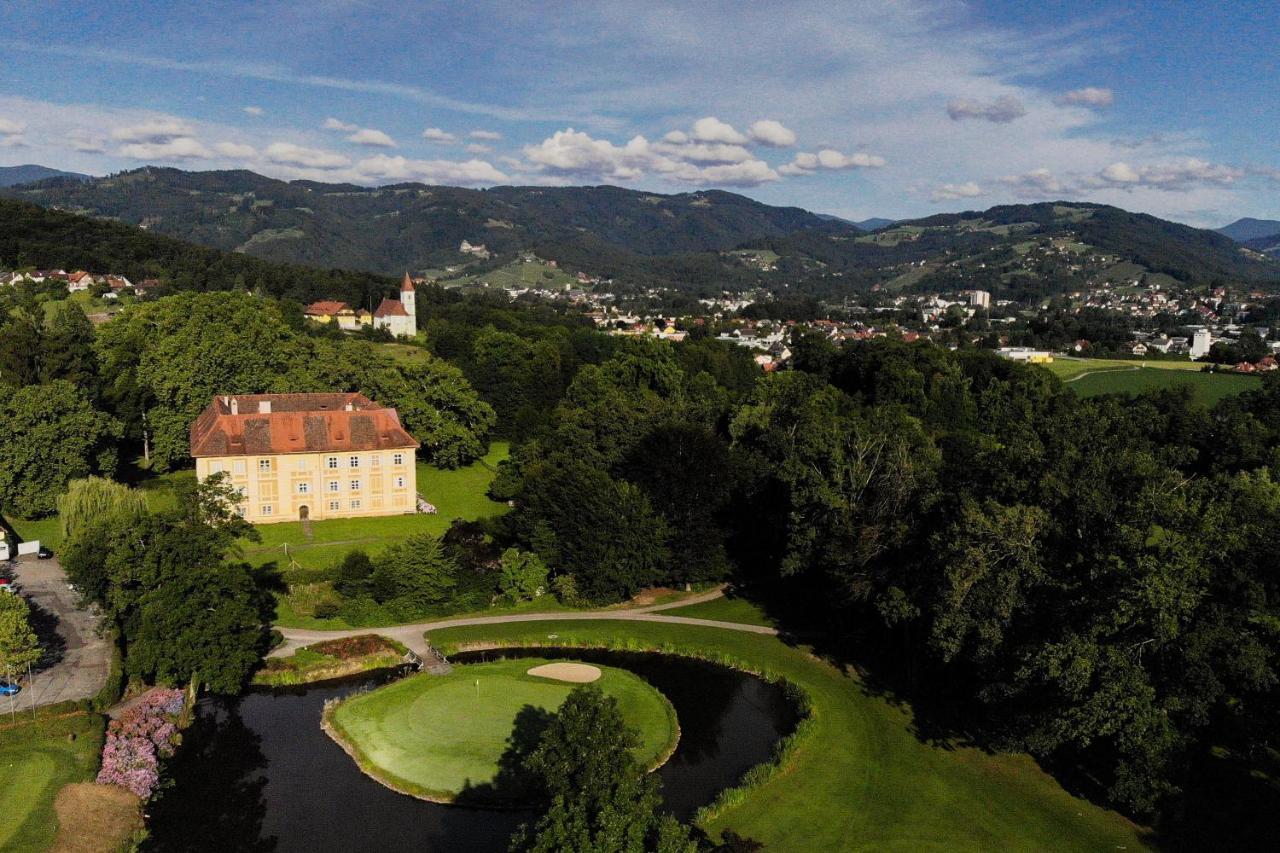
(456, 494)
(33, 768)
(724, 610)
(863, 780)
(435, 736)
(46, 530)
(1070, 368)
(1206, 388)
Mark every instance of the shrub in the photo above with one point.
(137, 741)
(566, 590)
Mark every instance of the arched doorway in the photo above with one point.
(304, 512)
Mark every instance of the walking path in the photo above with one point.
(412, 635)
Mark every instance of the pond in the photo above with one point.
(256, 773)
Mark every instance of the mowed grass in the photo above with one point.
(1070, 368)
(863, 779)
(725, 610)
(32, 771)
(1206, 388)
(437, 736)
(456, 494)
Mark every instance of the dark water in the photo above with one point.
(257, 774)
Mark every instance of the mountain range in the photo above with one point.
(1246, 229)
(29, 173)
(699, 242)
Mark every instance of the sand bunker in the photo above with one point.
(578, 673)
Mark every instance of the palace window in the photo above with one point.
(333, 462)
(354, 461)
(375, 460)
(355, 504)
(333, 505)
(399, 482)
(333, 485)
(355, 485)
(237, 467)
(264, 464)
(397, 459)
(266, 509)
(303, 488)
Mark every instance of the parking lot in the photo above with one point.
(78, 659)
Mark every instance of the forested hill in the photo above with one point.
(34, 236)
(700, 242)
(29, 173)
(414, 226)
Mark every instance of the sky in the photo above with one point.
(857, 109)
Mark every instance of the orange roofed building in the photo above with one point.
(300, 456)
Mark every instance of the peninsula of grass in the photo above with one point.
(331, 659)
(860, 778)
(455, 738)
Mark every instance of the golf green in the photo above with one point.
(443, 738)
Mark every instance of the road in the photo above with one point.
(412, 635)
(81, 658)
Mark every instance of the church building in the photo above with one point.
(399, 318)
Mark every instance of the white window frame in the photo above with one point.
(335, 486)
(397, 459)
(304, 488)
(399, 482)
(355, 503)
(355, 485)
(267, 509)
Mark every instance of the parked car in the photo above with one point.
(44, 553)
(7, 689)
(6, 585)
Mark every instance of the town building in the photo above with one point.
(399, 318)
(307, 456)
(1027, 354)
(1201, 342)
(979, 299)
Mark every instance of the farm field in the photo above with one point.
(1070, 368)
(443, 737)
(864, 778)
(1206, 388)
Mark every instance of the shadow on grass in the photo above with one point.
(513, 785)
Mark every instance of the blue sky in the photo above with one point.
(857, 109)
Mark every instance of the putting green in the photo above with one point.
(443, 738)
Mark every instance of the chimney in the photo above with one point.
(264, 407)
(235, 406)
(349, 407)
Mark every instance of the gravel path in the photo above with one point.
(412, 635)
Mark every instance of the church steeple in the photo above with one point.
(407, 284)
(409, 300)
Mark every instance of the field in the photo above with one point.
(443, 737)
(517, 275)
(456, 494)
(866, 777)
(35, 762)
(1094, 376)
(725, 610)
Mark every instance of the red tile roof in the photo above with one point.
(325, 308)
(264, 424)
(407, 284)
(390, 308)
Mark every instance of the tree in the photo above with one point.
(599, 799)
(415, 574)
(49, 435)
(66, 348)
(19, 647)
(20, 349)
(95, 499)
(523, 575)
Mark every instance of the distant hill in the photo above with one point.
(13, 175)
(414, 226)
(1269, 245)
(1244, 230)
(875, 223)
(700, 243)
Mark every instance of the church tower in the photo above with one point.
(409, 299)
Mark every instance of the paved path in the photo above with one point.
(85, 657)
(412, 635)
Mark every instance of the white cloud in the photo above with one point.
(235, 150)
(13, 141)
(712, 129)
(572, 153)
(87, 142)
(386, 168)
(1176, 175)
(828, 159)
(951, 192)
(253, 111)
(772, 133)
(156, 130)
(676, 137)
(477, 148)
(373, 137)
(8, 126)
(175, 148)
(289, 154)
(435, 134)
(338, 124)
(1036, 183)
(487, 135)
(1002, 110)
(1089, 96)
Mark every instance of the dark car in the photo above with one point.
(44, 553)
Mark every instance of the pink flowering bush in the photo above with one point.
(138, 740)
